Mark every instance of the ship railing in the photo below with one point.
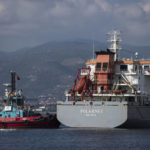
(120, 92)
(133, 72)
(126, 72)
(143, 59)
(133, 59)
(103, 91)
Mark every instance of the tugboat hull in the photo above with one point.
(30, 122)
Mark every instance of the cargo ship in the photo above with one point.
(15, 114)
(109, 92)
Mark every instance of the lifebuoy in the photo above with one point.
(11, 95)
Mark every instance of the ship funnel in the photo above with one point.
(13, 81)
(115, 40)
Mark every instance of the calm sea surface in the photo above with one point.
(75, 139)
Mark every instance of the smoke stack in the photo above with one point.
(13, 81)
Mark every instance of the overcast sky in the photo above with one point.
(25, 23)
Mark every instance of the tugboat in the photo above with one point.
(14, 114)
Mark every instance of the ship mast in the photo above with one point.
(115, 40)
(93, 49)
(13, 81)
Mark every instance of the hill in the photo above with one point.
(49, 69)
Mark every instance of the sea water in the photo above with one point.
(75, 139)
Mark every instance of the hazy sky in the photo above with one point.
(25, 23)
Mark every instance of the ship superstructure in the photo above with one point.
(109, 92)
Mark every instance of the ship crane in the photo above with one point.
(83, 83)
(126, 81)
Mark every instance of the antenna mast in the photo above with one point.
(115, 40)
(93, 48)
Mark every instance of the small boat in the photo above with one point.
(15, 114)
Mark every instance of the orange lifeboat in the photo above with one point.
(80, 84)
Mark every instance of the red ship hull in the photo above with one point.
(30, 122)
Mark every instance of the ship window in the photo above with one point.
(123, 67)
(146, 68)
(105, 65)
(109, 76)
(98, 66)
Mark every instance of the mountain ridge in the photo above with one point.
(50, 68)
